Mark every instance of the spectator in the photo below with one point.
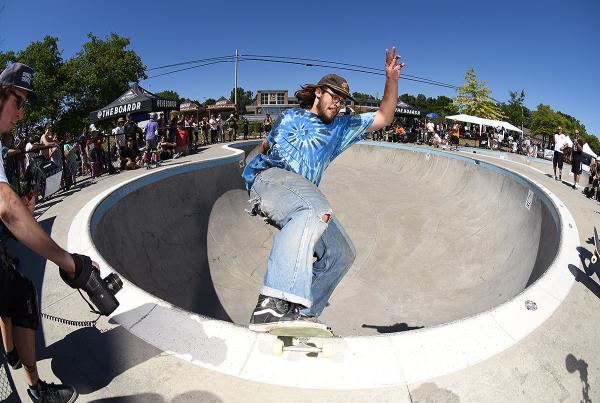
(454, 138)
(166, 149)
(119, 133)
(232, 127)
(19, 313)
(576, 159)
(31, 149)
(70, 152)
(267, 125)
(398, 133)
(560, 144)
(219, 129)
(205, 131)
(85, 162)
(591, 189)
(195, 131)
(50, 139)
(130, 156)
(245, 127)
(151, 139)
(131, 129)
(94, 151)
(181, 145)
(213, 129)
(436, 140)
(430, 129)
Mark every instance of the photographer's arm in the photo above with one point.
(19, 221)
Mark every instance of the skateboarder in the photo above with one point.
(283, 180)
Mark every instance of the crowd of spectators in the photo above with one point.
(129, 145)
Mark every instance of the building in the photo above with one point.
(271, 102)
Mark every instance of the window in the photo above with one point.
(264, 98)
(280, 98)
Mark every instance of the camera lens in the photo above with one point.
(113, 282)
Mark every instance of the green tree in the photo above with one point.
(474, 98)
(544, 120)
(515, 111)
(48, 81)
(210, 101)
(98, 74)
(362, 98)
(169, 94)
(244, 98)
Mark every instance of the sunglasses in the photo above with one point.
(20, 102)
(335, 98)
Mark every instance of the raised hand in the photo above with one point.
(392, 68)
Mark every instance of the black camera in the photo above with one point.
(100, 290)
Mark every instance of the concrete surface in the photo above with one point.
(557, 362)
(430, 234)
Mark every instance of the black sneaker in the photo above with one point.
(13, 359)
(51, 393)
(270, 312)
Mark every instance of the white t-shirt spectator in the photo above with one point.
(29, 155)
(430, 127)
(213, 124)
(560, 141)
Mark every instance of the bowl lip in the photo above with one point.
(390, 359)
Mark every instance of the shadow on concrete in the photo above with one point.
(573, 364)
(76, 188)
(583, 278)
(90, 359)
(195, 396)
(395, 328)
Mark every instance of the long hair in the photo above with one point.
(306, 96)
(5, 92)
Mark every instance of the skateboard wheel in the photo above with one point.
(277, 347)
(327, 350)
(594, 259)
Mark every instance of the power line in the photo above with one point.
(350, 65)
(290, 60)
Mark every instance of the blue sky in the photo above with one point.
(550, 49)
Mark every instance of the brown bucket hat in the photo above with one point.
(337, 84)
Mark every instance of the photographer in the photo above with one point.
(18, 301)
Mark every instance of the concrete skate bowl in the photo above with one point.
(447, 247)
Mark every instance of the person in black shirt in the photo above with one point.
(576, 160)
(130, 156)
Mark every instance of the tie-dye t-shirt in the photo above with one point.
(300, 142)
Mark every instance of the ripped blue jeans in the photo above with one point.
(311, 252)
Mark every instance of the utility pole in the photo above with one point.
(236, 86)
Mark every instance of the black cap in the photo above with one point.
(337, 84)
(20, 76)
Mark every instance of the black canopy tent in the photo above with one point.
(406, 115)
(135, 100)
(405, 110)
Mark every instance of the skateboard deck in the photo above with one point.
(596, 248)
(304, 339)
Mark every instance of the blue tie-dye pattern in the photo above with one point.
(300, 142)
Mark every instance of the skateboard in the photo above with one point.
(304, 339)
(596, 247)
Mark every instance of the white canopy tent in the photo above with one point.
(587, 150)
(483, 121)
